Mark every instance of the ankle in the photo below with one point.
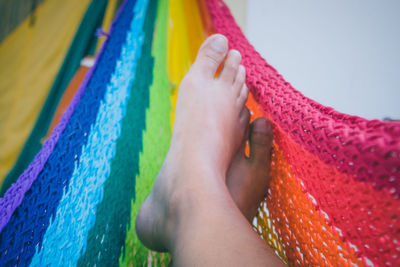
(192, 195)
(183, 192)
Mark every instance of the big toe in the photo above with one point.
(260, 141)
(211, 54)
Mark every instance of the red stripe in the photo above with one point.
(367, 218)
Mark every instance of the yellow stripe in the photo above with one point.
(30, 58)
(108, 18)
(194, 29)
(185, 35)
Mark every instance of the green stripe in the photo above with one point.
(106, 239)
(156, 140)
(81, 45)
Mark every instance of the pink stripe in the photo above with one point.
(367, 218)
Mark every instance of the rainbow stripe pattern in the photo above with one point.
(335, 188)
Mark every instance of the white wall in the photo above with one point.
(239, 11)
(341, 53)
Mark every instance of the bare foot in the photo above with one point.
(248, 177)
(210, 120)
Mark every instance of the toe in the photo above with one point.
(240, 155)
(260, 141)
(240, 78)
(211, 54)
(244, 117)
(231, 66)
(244, 93)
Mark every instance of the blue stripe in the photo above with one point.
(66, 237)
(27, 226)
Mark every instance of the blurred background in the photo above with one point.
(344, 54)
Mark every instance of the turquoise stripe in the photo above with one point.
(65, 238)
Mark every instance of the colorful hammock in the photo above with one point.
(334, 194)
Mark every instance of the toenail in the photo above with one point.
(234, 51)
(219, 44)
(264, 129)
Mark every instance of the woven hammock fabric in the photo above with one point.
(334, 193)
(82, 43)
(348, 167)
(72, 130)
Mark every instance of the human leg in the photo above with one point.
(190, 211)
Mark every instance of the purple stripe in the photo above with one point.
(14, 195)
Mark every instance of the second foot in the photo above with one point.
(248, 177)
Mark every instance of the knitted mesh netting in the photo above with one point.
(334, 192)
(347, 167)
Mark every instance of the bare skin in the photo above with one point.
(190, 211)
(248, 177)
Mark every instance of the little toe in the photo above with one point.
(240, 156)
(211, 54)
(240, 78)
(260, 141)
(243, 94)
(244, 118)
(231, 66)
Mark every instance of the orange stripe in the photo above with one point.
(205, 18)
(354, 208)
(302, 231)
(69, 93)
